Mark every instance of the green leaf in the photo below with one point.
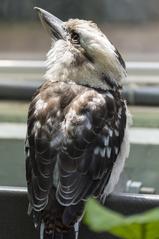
(126, 231)
(142, 226)
(97, 217)
(146, 217)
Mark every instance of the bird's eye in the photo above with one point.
(75, 38)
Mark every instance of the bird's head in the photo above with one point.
(81, 53)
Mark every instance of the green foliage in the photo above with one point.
(141, 226)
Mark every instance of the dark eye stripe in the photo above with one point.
(110, 81)
(88, 57)
(120, 59)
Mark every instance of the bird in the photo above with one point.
(77, 137)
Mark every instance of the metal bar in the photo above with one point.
(147, 96)
(16, 91)
(13, 66)
(15, 223)
(133, 68)
(24, 90)
(142, 136)
(143, 68)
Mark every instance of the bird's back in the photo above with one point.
(74, 138)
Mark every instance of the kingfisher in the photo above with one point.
(78, 126)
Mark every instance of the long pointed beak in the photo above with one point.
(53, 24)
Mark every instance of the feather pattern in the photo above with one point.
(73, 140)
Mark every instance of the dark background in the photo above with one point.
(131, 25)
(100, 11)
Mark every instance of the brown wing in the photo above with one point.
(72, 127)
(94, 131)
(43, 140)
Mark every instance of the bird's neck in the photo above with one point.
(81, 76)
(64, 67)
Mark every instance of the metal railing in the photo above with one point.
(143, 68)
(15, 223)
(19, 80)
(17, 66)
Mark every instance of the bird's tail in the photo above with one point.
(59, 222)
(72, 233)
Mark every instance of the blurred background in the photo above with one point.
(133, 27)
